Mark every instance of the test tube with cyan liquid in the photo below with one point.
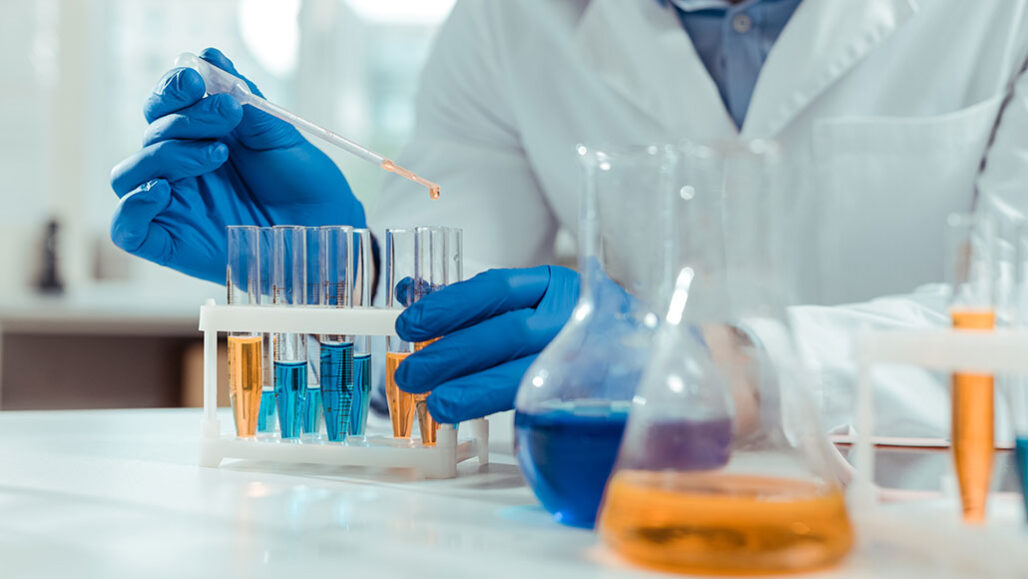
(360, 297)
(312, 405)
(336, 358)
(288, 288)
(244, 348)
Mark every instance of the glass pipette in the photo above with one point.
(219, 81)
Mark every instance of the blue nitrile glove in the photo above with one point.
(493, 326)
(209, 162)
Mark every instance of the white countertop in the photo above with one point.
(118, 494)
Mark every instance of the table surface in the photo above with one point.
(118, 494)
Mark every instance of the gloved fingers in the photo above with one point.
(407, 290)
(178, 88)
(218, 59)
(211, 118)
(257, 130)
(497, 340)
(132, 227)
(467, 303)
(168, 160)
(479, 394)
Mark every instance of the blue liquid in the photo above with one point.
(1021, 452)
(312, 411)
(567, 454)
(337, 387)
(290, 393)
(266, 415)
(361, 394)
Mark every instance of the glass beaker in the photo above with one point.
(724, 467)
(573, 401)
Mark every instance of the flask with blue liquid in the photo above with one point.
(573, 402)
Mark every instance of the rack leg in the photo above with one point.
(481, 432)
(211, 428)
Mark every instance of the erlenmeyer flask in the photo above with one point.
(686, 495)
(573, 401)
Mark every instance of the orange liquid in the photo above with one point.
(433, 189)
(245, 378)
(401, 404)
(973, 416)
(426, 424)
(702, 523)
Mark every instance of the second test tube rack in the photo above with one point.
(438, 461)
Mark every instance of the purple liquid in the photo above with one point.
(685, 445)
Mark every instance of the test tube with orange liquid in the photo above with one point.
(245, 349)
(399, 281)
(972, 308)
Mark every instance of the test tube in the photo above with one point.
(438, 263)
(360, 297)
(312, 404)
(267, 421)
(400, 277)
(972, 307)
(336, 349)
(244, 348)
(288, 288)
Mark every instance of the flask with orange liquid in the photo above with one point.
(723, 468)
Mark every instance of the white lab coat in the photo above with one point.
(892, 111)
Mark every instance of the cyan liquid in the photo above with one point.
(567, 454)
(290, 393)
(361, 394)
(1021, 452)
(266, 415)
(312, 412)
(337, 387)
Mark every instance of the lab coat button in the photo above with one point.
(741, 23)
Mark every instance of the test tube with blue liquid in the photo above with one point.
(336, 356)
(288, 285)
(244, 348)
(267, 419)
(360, 297)
(312, 405)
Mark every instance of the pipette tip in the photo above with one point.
(433, 189)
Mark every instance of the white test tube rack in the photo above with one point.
(938, 536)
(438, 461)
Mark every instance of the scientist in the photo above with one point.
(895, 112)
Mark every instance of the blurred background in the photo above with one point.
(75, 75)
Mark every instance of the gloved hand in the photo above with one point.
(493, 326)
(209, 162)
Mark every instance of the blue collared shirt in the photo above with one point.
(733, 41)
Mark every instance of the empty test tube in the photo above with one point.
(289, 261)
(244, 348)
(360, 297)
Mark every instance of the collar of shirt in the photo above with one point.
(698, 5)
